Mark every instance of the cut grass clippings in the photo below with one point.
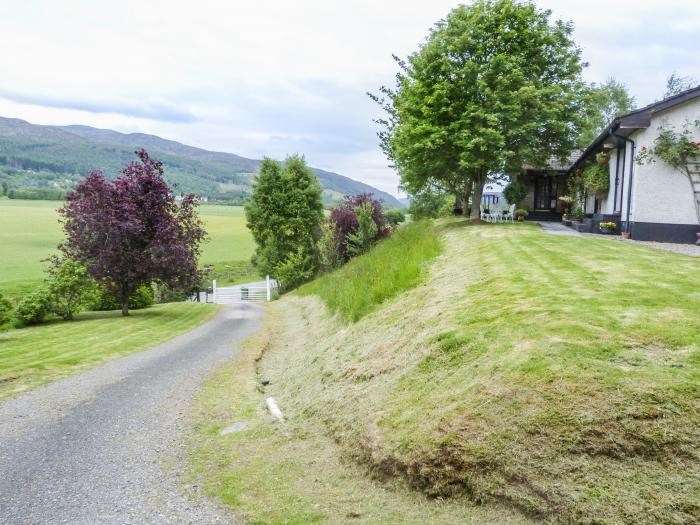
(293, 473)
(394, 265)
(35, 355)
(556, 374)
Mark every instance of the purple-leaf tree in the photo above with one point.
(132, 231)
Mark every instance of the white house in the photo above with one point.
(650, 201)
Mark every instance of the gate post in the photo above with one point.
(267, 282)
(213, 290)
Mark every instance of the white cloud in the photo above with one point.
(271, 78)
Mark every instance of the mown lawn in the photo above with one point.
(36, 355)
(556, 375)
(30, 231)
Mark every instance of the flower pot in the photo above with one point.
(602, 159)
(625, 235)
(606, 231)
(521, 218)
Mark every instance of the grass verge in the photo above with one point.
(556, 374)
(32, 356)
(293, 473)
(394, 265)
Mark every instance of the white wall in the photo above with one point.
(660, 193)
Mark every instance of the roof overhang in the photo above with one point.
(622, 127)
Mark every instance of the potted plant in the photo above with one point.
(602, 158)
(520, 214)
(566, 202)
(607, 227)
(577, 212)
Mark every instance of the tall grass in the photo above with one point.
(394, 265)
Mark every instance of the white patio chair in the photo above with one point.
(484, 216)
(508, 216)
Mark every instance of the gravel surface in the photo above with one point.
(106, 446)
(557, 228)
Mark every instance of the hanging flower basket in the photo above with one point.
(602, 158)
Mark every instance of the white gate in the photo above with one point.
(260, 292)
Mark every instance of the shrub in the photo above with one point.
(34, 307)
(345, 219)
(596, 178)
(70, 288)
(395, 217)
(362, 239)
(6, 311)
(521, 213)
(142, 297)
(515, 192)
(430, 205)
(329, 248)
(296, 269)
(165, 294)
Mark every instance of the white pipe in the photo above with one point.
(274, 409)
(213, 289)
(267, 281)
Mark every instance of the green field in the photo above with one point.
(29, 233)
(33, 356)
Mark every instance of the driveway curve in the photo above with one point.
(105, 446)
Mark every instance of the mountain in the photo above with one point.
(37, 156)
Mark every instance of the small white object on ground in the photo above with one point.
(236, 427)
(274, 409)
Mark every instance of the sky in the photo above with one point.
(273, 78)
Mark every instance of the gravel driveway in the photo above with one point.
(106, 446)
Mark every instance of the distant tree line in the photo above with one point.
(41, 194)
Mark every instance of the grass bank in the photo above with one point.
(36, 355)
(30, 231)
(394, 265)
(294, 473)
(557, 375)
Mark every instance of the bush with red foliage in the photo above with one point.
(345, 221)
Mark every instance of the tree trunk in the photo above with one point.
(124, 298)
(477, 193)
(465, 197)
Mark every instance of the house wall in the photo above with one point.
(662, 206)
(661, 194)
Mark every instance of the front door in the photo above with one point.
(545, 193)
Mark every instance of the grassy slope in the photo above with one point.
(36, 355)
(294, 473)
(29, 232)
(398, 264)
(557, 374)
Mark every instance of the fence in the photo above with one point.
(253, 293)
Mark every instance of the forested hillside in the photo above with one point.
(33, 156)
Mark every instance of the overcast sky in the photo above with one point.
(279, 77)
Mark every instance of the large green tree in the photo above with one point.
(603, 102)
(284, 215)
(495, 85)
